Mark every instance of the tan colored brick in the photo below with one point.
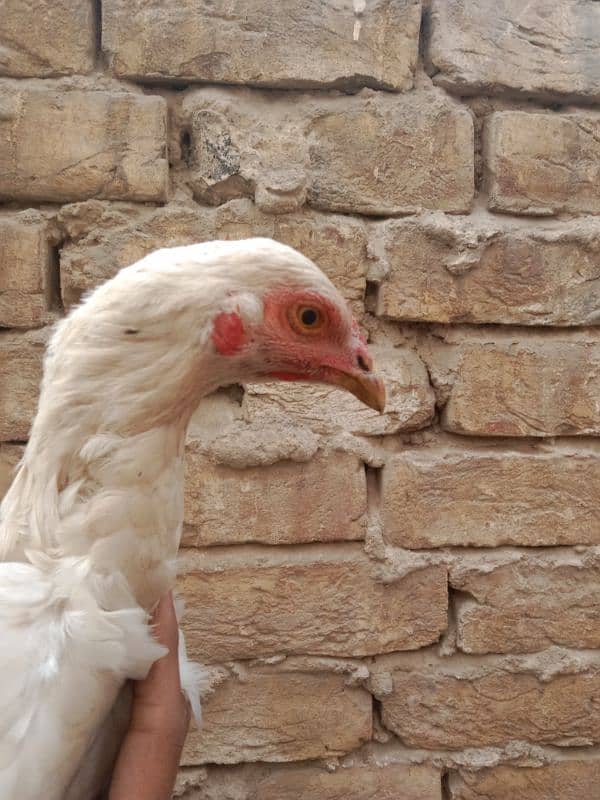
(441, 496)
(576, 779)
(365, 782)
(528, 605)
(24, 271)
(21, 357)
(283, 503)
(410, 401)
(95, 144)
(536, 387)
(440, 269)
(437, 705)
(371, 153)
(10, 455)
(540, 48)
(320, 43)
(319, 601)
(418, 782)
(267, 715)
(543, 163)
(47, 38)
(104, 238)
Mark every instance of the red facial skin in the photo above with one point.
(331, 350)
(312, 355)
(228, 333)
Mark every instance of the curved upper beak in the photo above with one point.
(366, 386)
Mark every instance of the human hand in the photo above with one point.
(147, 764)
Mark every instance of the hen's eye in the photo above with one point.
(309, 317)
(306, 319)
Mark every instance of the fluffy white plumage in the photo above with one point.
(90, 528)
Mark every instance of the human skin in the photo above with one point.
(147, 764)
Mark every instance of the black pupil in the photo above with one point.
(309, 316)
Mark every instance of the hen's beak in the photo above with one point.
(366, 386)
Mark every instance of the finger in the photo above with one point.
(164, 623)
(164, 673)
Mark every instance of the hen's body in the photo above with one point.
(119, 515)
(90, 528)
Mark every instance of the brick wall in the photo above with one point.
(397, 606)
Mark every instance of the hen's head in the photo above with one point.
(186, 320)
(295, 326)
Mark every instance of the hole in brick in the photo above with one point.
(374, 479)
(371, 296)
(446, 792)
(378, 726)
(424, 35)
(97, 16)
(236, 393)
(53, 290)
(185, 143)
(374, 532)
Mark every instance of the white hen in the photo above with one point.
(90, 527)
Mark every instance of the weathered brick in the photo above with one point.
(537, 387)
(371, 153)
(446, 705)
(441, 496)
(283, 503)
(95, 144)
(279, 602)
(258, 42)
(270, 715)
(21, 357)
(24, 271)
(364, 782)
(547, 49)
(410, 401)
(46, 38)
(576, 779)
(104, 238)
(528, 605)
(440, 269)
(543, 163)
(10, 455)
(418, 782)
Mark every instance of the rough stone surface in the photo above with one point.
(575, 779)
(314, 601)
(372, 153)
(354, 783)
(104, 238)
(21, 357)
(540, 48)
(46, 38)
(364, 782)
(95, 144)
(482, 497)
(258, 42)
(433, 708)
(529, 605)
(543, 163)
(284, 503)
(440, 269)
(534, 387)
(265, 715)
(25, 272)
(410, 400)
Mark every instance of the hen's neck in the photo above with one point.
(116, 499)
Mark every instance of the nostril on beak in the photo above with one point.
(364, 364)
